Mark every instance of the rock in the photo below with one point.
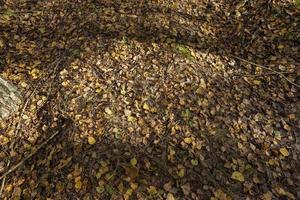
(10, 98)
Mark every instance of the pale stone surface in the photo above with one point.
(10, 98)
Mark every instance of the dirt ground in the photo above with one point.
(151, 99)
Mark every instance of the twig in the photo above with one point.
(20, 11)
(255, 75)
(15, 167)
(3, 181)
(21, 114)
(261, 66)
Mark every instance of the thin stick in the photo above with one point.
(21, 11)
(15, 167)
(21, 114)
(3, 181)
(276, 72)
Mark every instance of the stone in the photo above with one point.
(10, 98)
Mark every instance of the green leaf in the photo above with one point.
(238, 176)
(100, 189)
(184, 51)
(194, 162)
(181, 173)
(110, 189)
(133, 162)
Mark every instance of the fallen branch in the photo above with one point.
(272, 70)
(15, 167)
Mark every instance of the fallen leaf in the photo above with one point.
(132, 172)
(110, 189)
(1, 43)
(131, 118)
(186, 189)
(133, 162)
(91, 140)
(284, 152)
(78, 183)
(194, 162)
(256, 82)
(152, 190)
(170, 196)
(267, 196)
(238, 176)
(100, 189)
(168, 186)
(220, 195)
(188, 140)
(146, 106)
(108, 111)
(181, 173)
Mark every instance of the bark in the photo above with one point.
(10, 98)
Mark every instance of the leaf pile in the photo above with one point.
(162, 100)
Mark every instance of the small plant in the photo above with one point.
(184, 51)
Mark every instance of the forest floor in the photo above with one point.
(151, 99)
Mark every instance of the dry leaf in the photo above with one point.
(146, 106)
(238, 176)
(108, 111)
(170, 196)
(188, 140)
(284, 152)
(91, 140)
(152, 190)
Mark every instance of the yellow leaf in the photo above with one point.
(188, 140)
(238, 176)
(128, 193)
(256, 82)
(78, 183)
(219, 194)
(59, 187)
(280, 46)
(146, 106)
(9, 187)
(131, 118)
(181, 173)
(170, 196)
(267, 196)
(108, 111)
(284, 152)
(3, 140)
(292, 116)
(121, 187)
(133, 162)
(134, 186)
(35, 73)
(91, 140)
(152, 190)
(1, 44)
(65, 83)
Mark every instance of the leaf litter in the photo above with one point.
(151, 99)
